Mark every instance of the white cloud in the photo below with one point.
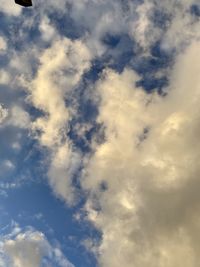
(10, 8)
(4, 77)
(143, 29)
(149, 213)
(47, 30)
(30, 248)
(174, 36)
(57, 76)
(19, 117)
(15, 116)
(63, 167)
(3, 113)
(26, 249)
(3, 45)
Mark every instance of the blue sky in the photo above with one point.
(99, 133)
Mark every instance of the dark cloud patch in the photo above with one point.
(150, 83)
(161, 19)
(148, 68)
(111, 40)
(151, 64)
(93, 74)
(124, 53)
(83, 127)
(164, 56)
(120, 52)
(103, 186)
(83, 141)
(66, 26)
(195, 10)
(33, 111)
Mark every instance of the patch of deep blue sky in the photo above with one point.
(195, 10)
(33, 203)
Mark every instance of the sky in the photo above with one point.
(99, 133)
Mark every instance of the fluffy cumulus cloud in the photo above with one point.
(26, 249)
(29, 248)
(149, 211)
(61, 67)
